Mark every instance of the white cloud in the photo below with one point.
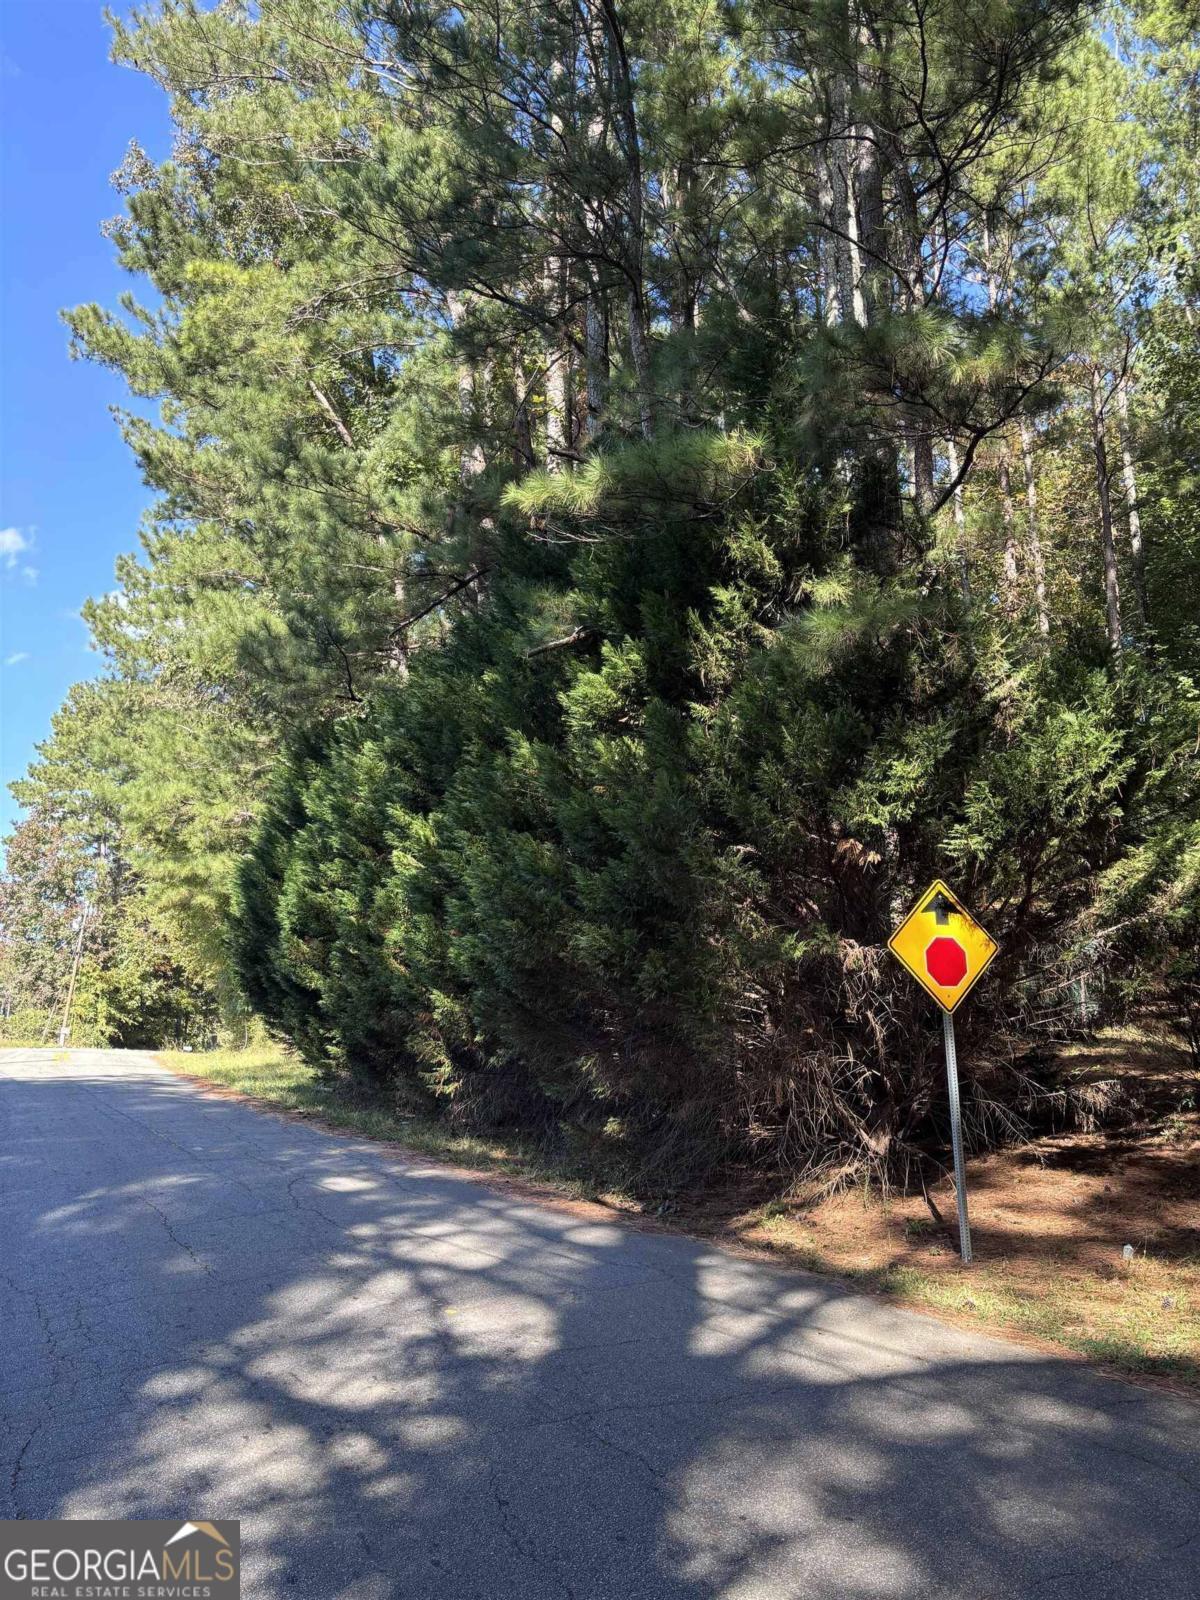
(16, 658)
(12, 543)
(30, 574)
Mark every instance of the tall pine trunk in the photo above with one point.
(841, 160)
(634, 253)
(1036, 558)
(557, 343)
(1112, 587)
(831, 308)
(960, 524)
(558, 370)
(1007, 512)
(595, 345)
(1008, 519)
(472, 460)
(595, 310)
(909, 252)
(1129, 478)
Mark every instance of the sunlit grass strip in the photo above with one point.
(278, 1078)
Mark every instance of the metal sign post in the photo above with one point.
(947, 952)
(960, 1177)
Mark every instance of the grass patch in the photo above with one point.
(278, 1078)
(1141, 1317)
(1127, 1330)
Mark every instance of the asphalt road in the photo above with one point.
(410, 1385)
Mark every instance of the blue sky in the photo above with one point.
(70, 493)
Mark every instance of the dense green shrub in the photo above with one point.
(647, 874)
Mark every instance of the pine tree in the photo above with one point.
(640, 489)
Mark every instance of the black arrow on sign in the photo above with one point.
(941, 908)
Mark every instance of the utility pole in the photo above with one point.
(85, 912)
(65, 1029)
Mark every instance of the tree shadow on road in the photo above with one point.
(408, 1385)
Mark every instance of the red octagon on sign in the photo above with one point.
(946, 961)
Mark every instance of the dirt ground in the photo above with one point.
(1049, 1225)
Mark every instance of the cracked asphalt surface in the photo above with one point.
(411, 1386)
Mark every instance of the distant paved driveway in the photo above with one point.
(408, 1385)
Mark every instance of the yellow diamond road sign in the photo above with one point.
(943, 946)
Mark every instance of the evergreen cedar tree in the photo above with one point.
(642, 487)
